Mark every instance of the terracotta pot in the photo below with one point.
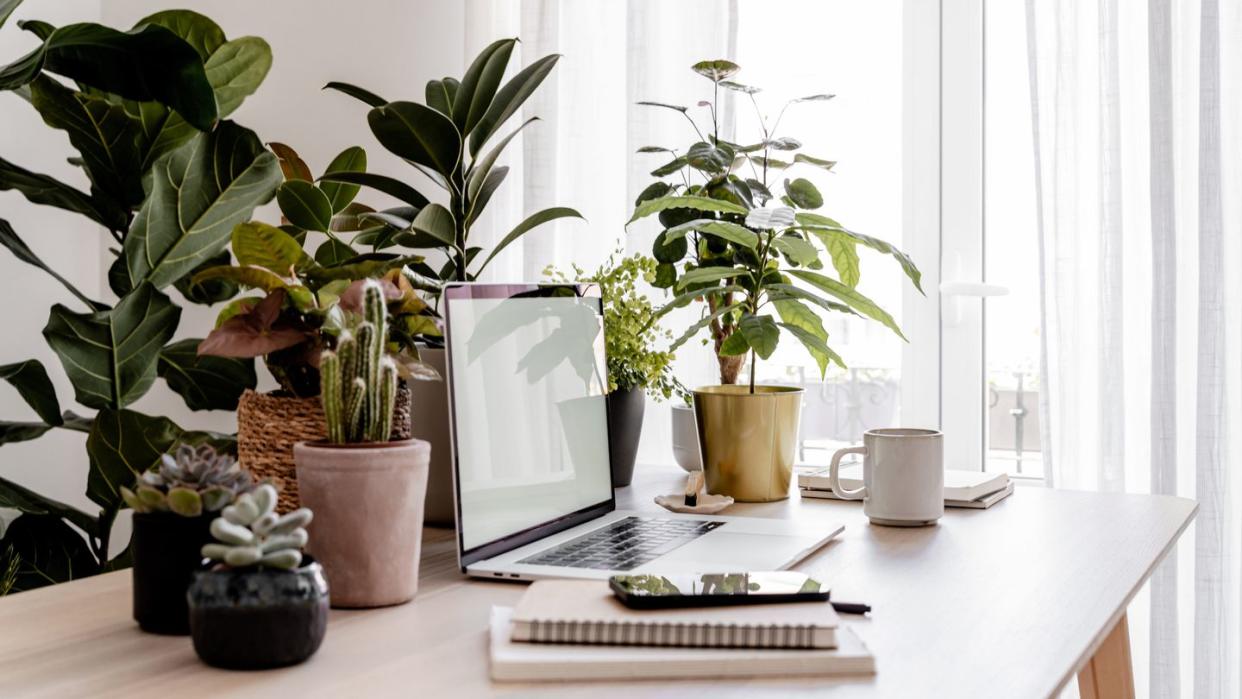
(748, 440)
(431, 423)
(368, 526)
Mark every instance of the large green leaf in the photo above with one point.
(849, 296)
(817, 224)
(844, 252)
(509, 99)
(804, 193)
(536, 219)
(816, 347)
(333, 252)
(652, 206)
(305, 205)
(48, 552)
(150, 63)
(806, 325)
(195, 29)
(264, 245)
(101, 131)
(417, 133)
(725, 230)
(357, 93)
(363, 268)
(785, 292)
(388, 185)
(480, 169)
(212, 292)
(761, 334)
(10, 240)
(479, 84)
(669, 248)
(716, 70)
(708, 274)
(122, 445)
(198, 194)
(110, 356)
(817, 162)
(236, 70)
(13, 431)
(435, 221)
(441, 94)
(247, 275)
(797, 249)
(205, 382)
(6, 9)
(31, 381)
(340, 194)
(41, 189)
(484, 195)
(29, 502)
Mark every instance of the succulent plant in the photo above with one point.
(189, 482)
(359, 383)
(250, 533)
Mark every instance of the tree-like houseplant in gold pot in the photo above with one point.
(758, 272)
(367, 491)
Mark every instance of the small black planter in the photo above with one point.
(165, 548)
(625, 426)
(258, 618)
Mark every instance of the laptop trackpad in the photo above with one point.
(730, 552)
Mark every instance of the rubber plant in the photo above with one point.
(445, 139)
(722, 244)
(146, 110)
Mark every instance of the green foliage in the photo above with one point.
(190, 482)
(250, 533)
(359, 382)
(723, 244)
(631, 326)
(168, 180)
(444, 138)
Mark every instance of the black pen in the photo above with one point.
(851, 607)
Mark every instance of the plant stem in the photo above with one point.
(752, 371)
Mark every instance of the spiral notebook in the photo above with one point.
(533, 662)
(586, 612)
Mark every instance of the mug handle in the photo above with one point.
(834, 475)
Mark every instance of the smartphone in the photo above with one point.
(716, 589)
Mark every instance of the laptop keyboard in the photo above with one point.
(624, 544)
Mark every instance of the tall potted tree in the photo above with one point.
(367, 490)
(148, 105)
(757, 270)
(444, 138)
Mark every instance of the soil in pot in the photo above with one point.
(625, 427)
(166, 552)
(258, 618)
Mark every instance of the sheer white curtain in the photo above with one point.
(1137, 111)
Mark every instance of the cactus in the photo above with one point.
(250, 533)
(358, 382)
(189, 482)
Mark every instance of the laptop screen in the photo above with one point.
(528, 382)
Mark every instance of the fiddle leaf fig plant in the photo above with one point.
(447, 138)
(145, 112)
(740, 235)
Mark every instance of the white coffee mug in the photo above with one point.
(903, 476)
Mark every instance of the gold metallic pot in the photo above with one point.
(748, 440)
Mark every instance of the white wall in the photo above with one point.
(391, 47)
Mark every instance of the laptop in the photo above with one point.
(527, 380)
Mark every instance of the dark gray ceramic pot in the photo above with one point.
(258, 618)
(625, 426)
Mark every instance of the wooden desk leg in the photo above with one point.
(1109, 674)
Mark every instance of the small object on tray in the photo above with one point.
(694, 500)
(694, 483)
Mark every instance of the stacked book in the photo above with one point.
(971, 489)
(578, 630)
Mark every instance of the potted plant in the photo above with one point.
(305, 297)
(367, 490)
(145, 105)
(263, 603)
(447, 139)
(758, 271)
(636, 367)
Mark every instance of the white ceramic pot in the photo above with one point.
(686, 439)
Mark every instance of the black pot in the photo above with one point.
(258, 618)
(166, 552)
(625, 426)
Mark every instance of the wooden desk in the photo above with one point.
(1006, 602)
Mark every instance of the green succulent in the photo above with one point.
(250, 533)
(191, 481)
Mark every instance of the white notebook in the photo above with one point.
(513, 661)
(587, 612)
(959, 486)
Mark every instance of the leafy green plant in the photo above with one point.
(359, 381)
(189, 482)
(307, 295)
(723, 245)
(250, 533)
(632, 328)
(444, 139)
(145, 111)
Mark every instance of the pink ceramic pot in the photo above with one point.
(368, 527)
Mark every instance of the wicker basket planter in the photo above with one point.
(269, 424)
